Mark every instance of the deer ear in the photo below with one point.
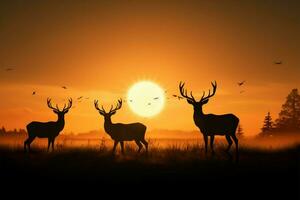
(66, 111)
(56, 112)
(189, 101)
(101, 113)
(112, 113)
(205, 101)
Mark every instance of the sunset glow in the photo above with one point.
(150, 98)
(146, 98)
(99, 50)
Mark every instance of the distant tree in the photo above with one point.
(289, 116)
(240, 132)
(268, 126)
(2, 130)
(268, 123)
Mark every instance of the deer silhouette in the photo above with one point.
(122, 132)
(210, 124)
(48, 130)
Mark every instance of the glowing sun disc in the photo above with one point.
(146, 98)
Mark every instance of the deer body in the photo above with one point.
(211, 124)
(48, 130)
(120, 132)
(207, 123)
(45, 129)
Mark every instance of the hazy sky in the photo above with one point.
(98, 49)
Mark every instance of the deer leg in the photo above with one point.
(122, 147)
(52, 141)
(49, 142)
(229, 142)
(205, 142)
(25, 144)
(236, 145)
(145, 144)
(139, 144)
(29, 141)
(212, 137)
(115, 146)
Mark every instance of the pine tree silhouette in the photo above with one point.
(289, 116)
(268, 125)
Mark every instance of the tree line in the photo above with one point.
(14, 132)
(288, 120)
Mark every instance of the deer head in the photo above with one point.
(57, 111)
(191, 100)
(112, 110)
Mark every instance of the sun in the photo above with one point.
(146, 98)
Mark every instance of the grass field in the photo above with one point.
(269, 172)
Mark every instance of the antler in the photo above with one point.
(209, 95)
(50, 106)
(70, 102)
(102, 110)
(56, 108)
(119, 105)
(183, 92)
(97, 107)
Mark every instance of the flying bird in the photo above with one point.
(9, 69)
(278, 62)
(179, 97)
(156, 98)
(79, 98)
(64, 87)
(241, 83)
(34, 92)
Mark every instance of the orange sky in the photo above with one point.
(99, 49)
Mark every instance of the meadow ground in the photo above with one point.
(266, 172)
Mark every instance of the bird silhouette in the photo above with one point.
(149, 104)
(64, 87)
(156, 98)
(241, 83)
(79, 97)
(34, 92)
(278, 62)
(9, 69)
(177, 96)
